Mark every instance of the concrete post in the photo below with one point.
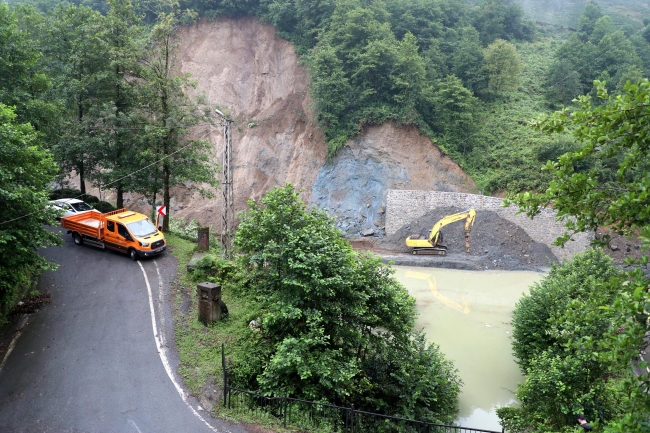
(209, 295)
(204, 238)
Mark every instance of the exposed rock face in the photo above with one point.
(353, 186)
(254, 76)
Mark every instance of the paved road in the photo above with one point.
(89, 361)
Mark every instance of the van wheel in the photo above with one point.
(77, 239)
(133, 254)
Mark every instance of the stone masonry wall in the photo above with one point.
(402, 207)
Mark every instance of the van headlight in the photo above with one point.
(144, 244)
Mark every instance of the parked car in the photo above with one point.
(71, 206)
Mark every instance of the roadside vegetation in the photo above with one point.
(580, 348)
(310, 318)
(92, 90)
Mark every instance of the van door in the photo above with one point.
(114, 236)
(124, 237)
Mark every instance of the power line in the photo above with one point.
(115, 181)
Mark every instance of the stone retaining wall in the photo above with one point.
(402, 207)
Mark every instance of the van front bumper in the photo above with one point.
(151, 253)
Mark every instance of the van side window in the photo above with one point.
(123, 231)
(110, 225)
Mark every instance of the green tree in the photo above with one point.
(501, 19)
(467, 60)
(77, 52)
(26, 169)
(409, 80)
(118, 122)
(169, 113)
(562, 379)
(615, 132)
(24, 83)
(587, 21)
(340, 327)
(603, 27)
(455, 109)
(562, 82)
(503, 67)
(540, 321)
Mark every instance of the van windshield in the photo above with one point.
(141, 228)
(81, 206)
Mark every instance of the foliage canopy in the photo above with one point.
(336, 326)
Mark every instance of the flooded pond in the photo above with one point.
(467, 313)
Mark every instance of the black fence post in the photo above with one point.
(285, 402)
(225, 375)
(347, 417)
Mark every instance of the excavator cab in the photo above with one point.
(433, 244)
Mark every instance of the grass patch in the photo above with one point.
(199, 346)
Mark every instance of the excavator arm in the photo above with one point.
(432, 244)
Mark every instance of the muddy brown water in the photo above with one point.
(467, 313)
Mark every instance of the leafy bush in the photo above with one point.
(90, 199)
(64, 193)
(335, 325)
(73, 193)
(562, 378)
(26, 167)
(214, 269)
(104, 206)
(543, 320)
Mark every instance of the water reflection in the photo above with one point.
(467, 313)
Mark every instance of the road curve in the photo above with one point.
(89, 362)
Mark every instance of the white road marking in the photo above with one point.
(10, 349)
(163, 353)
(133, 424)
(160, 301)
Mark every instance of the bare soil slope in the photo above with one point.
(243, 67)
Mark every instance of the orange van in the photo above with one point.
(121, 230)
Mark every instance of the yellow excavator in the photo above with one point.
(433, 244)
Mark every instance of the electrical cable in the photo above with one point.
(115, 181)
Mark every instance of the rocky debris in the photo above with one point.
(32, 304)
(614, 247)
(496, 243)
(367, 232)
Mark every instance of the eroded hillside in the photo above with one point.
(244, 68)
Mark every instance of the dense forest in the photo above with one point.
(470, 75)
(89, 87)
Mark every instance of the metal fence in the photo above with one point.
(320, 417)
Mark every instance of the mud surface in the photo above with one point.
(496, 243)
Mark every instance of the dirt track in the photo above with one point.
(495, 244)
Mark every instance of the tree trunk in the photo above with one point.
(82, 174)
(120, 195)
(166, 171)
(82, 183)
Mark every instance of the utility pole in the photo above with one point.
(227, 209)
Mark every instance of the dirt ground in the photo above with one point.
(496, 243)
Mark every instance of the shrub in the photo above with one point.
(90, 199)
(550, 326)
(338, 327)
(104, 206)
(64, 193)
(539, 319)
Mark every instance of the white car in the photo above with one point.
(71, 206)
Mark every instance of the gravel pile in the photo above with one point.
(495, 242)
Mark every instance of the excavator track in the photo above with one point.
(438, 250)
